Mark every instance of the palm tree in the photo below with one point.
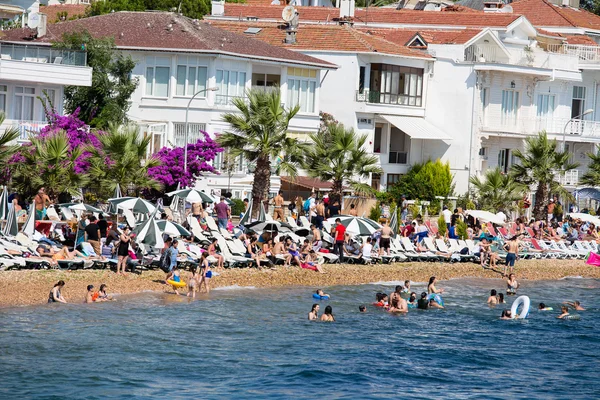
(497, 191)
(49, 162)
(339, 155)
(121, 160)
(259, 134)
(540, 165)
(592, 176)
(6, 148)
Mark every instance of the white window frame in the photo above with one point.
(20, 98)
(52, 95)
(4, 98)
(227, 91)
(193, 135)
(159, 130)
(300, 83)
(189, 63)
(511, 103)
(152, 63)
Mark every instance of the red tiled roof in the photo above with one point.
(580, 39)
(548, 33)
(544, 13)
(321, 37)
(379, 15)
(72, 10)
(165, 31)
(403, 36)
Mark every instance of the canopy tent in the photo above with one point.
(486, 216)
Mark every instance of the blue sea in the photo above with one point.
(257, 343)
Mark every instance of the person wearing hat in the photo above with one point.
(550, 208)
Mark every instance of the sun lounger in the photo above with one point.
(456, 249)
(292, 222)
(230, 259)
(305, 222)
(410, 249)
(428, 241)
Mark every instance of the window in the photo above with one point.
(157, 134)
(399, 145)
(24, 102)
(361, 79)
(510, 107)
(265, 81)
(377, 139)
(578, 102)
(483, 151)
(157, 76)
(503, 160)
(375, 181)
(3, 94)
(545, 106)
(302, 86)
(193, 132)
(231, 84)
(485, 100)
(393, 179)
(392, 84)
(49, 96)
(190, 80)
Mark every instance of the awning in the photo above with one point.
(417, 128)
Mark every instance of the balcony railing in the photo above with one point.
(43, 55)
(28, 128)
(377, 97)
(476, 54)
(398, 157)
(585, 53)
(533, 57)
(225, 100)
(556, 126)
(570, 178)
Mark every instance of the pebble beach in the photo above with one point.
(23, 288)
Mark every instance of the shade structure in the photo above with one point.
(112, 208)
(394, 221)
(172, 228)
(135, 204)
(247, 217)
(587, 193)
(175, 200)
(149, 233)
(262, 214)
(269, 226)
(29, 227)
(85, 207)
(4, 203)
(585, 217)
(192, 196)
(11, 228)
(486, 216)
(357, 226)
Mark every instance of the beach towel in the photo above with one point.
(593, 259)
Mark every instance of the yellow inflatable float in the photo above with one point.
(179, 284)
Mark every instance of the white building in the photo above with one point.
(178, 57)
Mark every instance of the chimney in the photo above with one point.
(346, 8)
(41, 28)
(217, 8)
(290, 36)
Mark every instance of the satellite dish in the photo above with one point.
(507, 9)
(288, 13)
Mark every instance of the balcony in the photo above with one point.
(226, 100)
(377, 97)
(585, 54)
(570, 178)
(531, 57)
(42, 55)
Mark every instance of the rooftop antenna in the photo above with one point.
(290, 16)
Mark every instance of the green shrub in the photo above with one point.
(425, 181)
(442, 226)
(461, 229)
(375, 212)
(237, 207)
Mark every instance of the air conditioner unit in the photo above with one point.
(365, 121)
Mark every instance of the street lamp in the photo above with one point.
(586, 112)
(187, 111)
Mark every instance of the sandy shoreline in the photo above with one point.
(19, 288)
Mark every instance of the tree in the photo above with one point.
(425, 181)
(339, 155)
(540, 165)
(190, 8)
(7, 150)
(49, 162)
(107, 99)
(592, 176)
(121, 160)
(259, 133)
(497, 191)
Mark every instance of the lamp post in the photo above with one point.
(187, 111)
(586, 112)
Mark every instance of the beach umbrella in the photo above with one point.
(112, 208)
(585, 217)
(172, 228)
(394, 221)
(175, 201)
(85, 207)
(262, 214)
(192, 195)
(357, 225)
(247, 217)
(486, 216)
(11, 228)
(29, 227)
(4, 203)
(135, 204)
(117, 193)
(149, 233)
(269, 226)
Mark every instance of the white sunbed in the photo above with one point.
(423, 256)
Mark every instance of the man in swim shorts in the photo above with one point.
(512, 248)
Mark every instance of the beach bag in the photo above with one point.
(165, 260)
(306, 205)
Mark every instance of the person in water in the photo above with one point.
(205, 273)
(362, 308)
(434, 304)
(175, 277)
(423, 303)
(193, 283)
(412, 300)
(90, 296)
(506, 314)
(564, 312)
(431, 289)
(328, 315)
(406, 289)
(501, 298)
(313, 315)
(382, 300)
(493, 298)
(542, 307)
(511, 285)
(320, 293)
(396, 295)
(398, 305)
(55, 296)
(102, 295)
(576, 305)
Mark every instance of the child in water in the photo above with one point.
(501, 298)
(542, 307)
(321, 293)
(493, 298)
(175, 277)
(362, 308)
(193, 284)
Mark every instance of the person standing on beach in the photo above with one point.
(205, 272)
(353, 211)
(55, 295)
(404, 207)
(316, 239)
(123, 250)
(42, 201)
(278, 212)
(223, 213)
(103, 226)
(172, 253)
(197, 210)
(92, 235)
(512, 248)
(338, 233)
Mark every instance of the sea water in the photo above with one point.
(257, 343)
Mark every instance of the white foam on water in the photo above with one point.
(571, 277)
(394, 283)
(235, 287)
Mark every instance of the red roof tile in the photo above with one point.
(548, 33)
(164, 31)
(321, 37)
(378, 15)
(72, 10)
(403, 36)
(580, 39)
(544, 13)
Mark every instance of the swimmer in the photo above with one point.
(501, 298)
(193, 283)
(313, 315)
(431, 286)
(382, 300)
(576, 305)
(542, 307)
(434, 304)
(102, 296)
(564, 310)
(398, 305)
(55, 295)
(89, 296)
(506, 314)
(412, 300)
(328, 315)
(362, 308)
(406, 287)
(493, 299)
(320, 293)
(423, 303)
(511, 285)
(397, 293)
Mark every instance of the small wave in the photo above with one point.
(235, 287)
(570, 277)
(394, 283)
